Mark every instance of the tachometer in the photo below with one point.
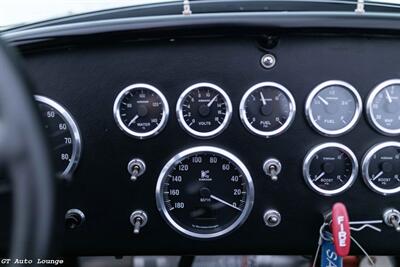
(63, 133)
(205, 192)
(267, 109)
(383, 107)
(204, 110)
(381, 168)
(330, 168)
(333, 108)
(141, 110)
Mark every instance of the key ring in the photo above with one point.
(322, 232)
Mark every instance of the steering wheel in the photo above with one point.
(24, 155)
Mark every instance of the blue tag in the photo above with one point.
(329, 257)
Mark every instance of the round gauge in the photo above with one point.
(141, 110)
(204, 192)
(267, 109)
(383, 107)
(204, 110)
(330, 168)
(333, 108)
(64, 136)
(381, 168)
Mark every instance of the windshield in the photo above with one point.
(19, 12)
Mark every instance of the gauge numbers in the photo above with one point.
(204, 192)
(333, 108)
(64, 136)
(267, 109)
(204, 110)
(381, 168)
(141, 111)
(383, 107)
(330, 168)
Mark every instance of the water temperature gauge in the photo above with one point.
(330, 168)
(381, 168)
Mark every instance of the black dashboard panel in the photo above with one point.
(87, 78)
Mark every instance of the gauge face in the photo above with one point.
(204, 192)
(204, 110)
(383, 107)
(333, 108)
(381, 168)
(64, 136)
(330, 168)
(141, 111)
(267, 109)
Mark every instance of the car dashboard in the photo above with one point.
(219, 140)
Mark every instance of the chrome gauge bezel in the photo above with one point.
(280, 130)
(187, 153)
(210, 134)
(307, 162)
(76, 136)
(124, 128)
(365, 168)
(369, 111)
(350, 125)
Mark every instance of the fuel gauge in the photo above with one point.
(381, 168)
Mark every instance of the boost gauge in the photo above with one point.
(330, 168)
(267, 109)
(204, 192)
(383, 107)
(141, 110)
(381, 168)
(64, 136)
(333, 108)
(204, 110)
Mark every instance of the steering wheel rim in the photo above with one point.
(25, 155)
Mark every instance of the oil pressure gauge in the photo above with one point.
(383, 107)
(267, 109)
(381, 168)
(333, 108)
(204, 110)
(141, 110)
(330, 168)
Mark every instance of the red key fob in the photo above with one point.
(341, 229)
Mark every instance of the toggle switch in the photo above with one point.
(74, 218)
(138, 220)
(136, 168)
(392, 218)
(272, 218)
(272, 167)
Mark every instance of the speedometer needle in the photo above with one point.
(224, 202)
(133, 120)
(388, 96)
(323, 100)
(212, 101)
(377, 176)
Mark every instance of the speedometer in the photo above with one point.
(63, 133)
(205, 192)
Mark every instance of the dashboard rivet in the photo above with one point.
(268, 61)
(272, 218)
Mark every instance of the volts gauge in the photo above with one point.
(333, 108)
(381, 168)
(204, 110)
(141, 110)
(267, 109)
(330, 168)
(383, 107)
